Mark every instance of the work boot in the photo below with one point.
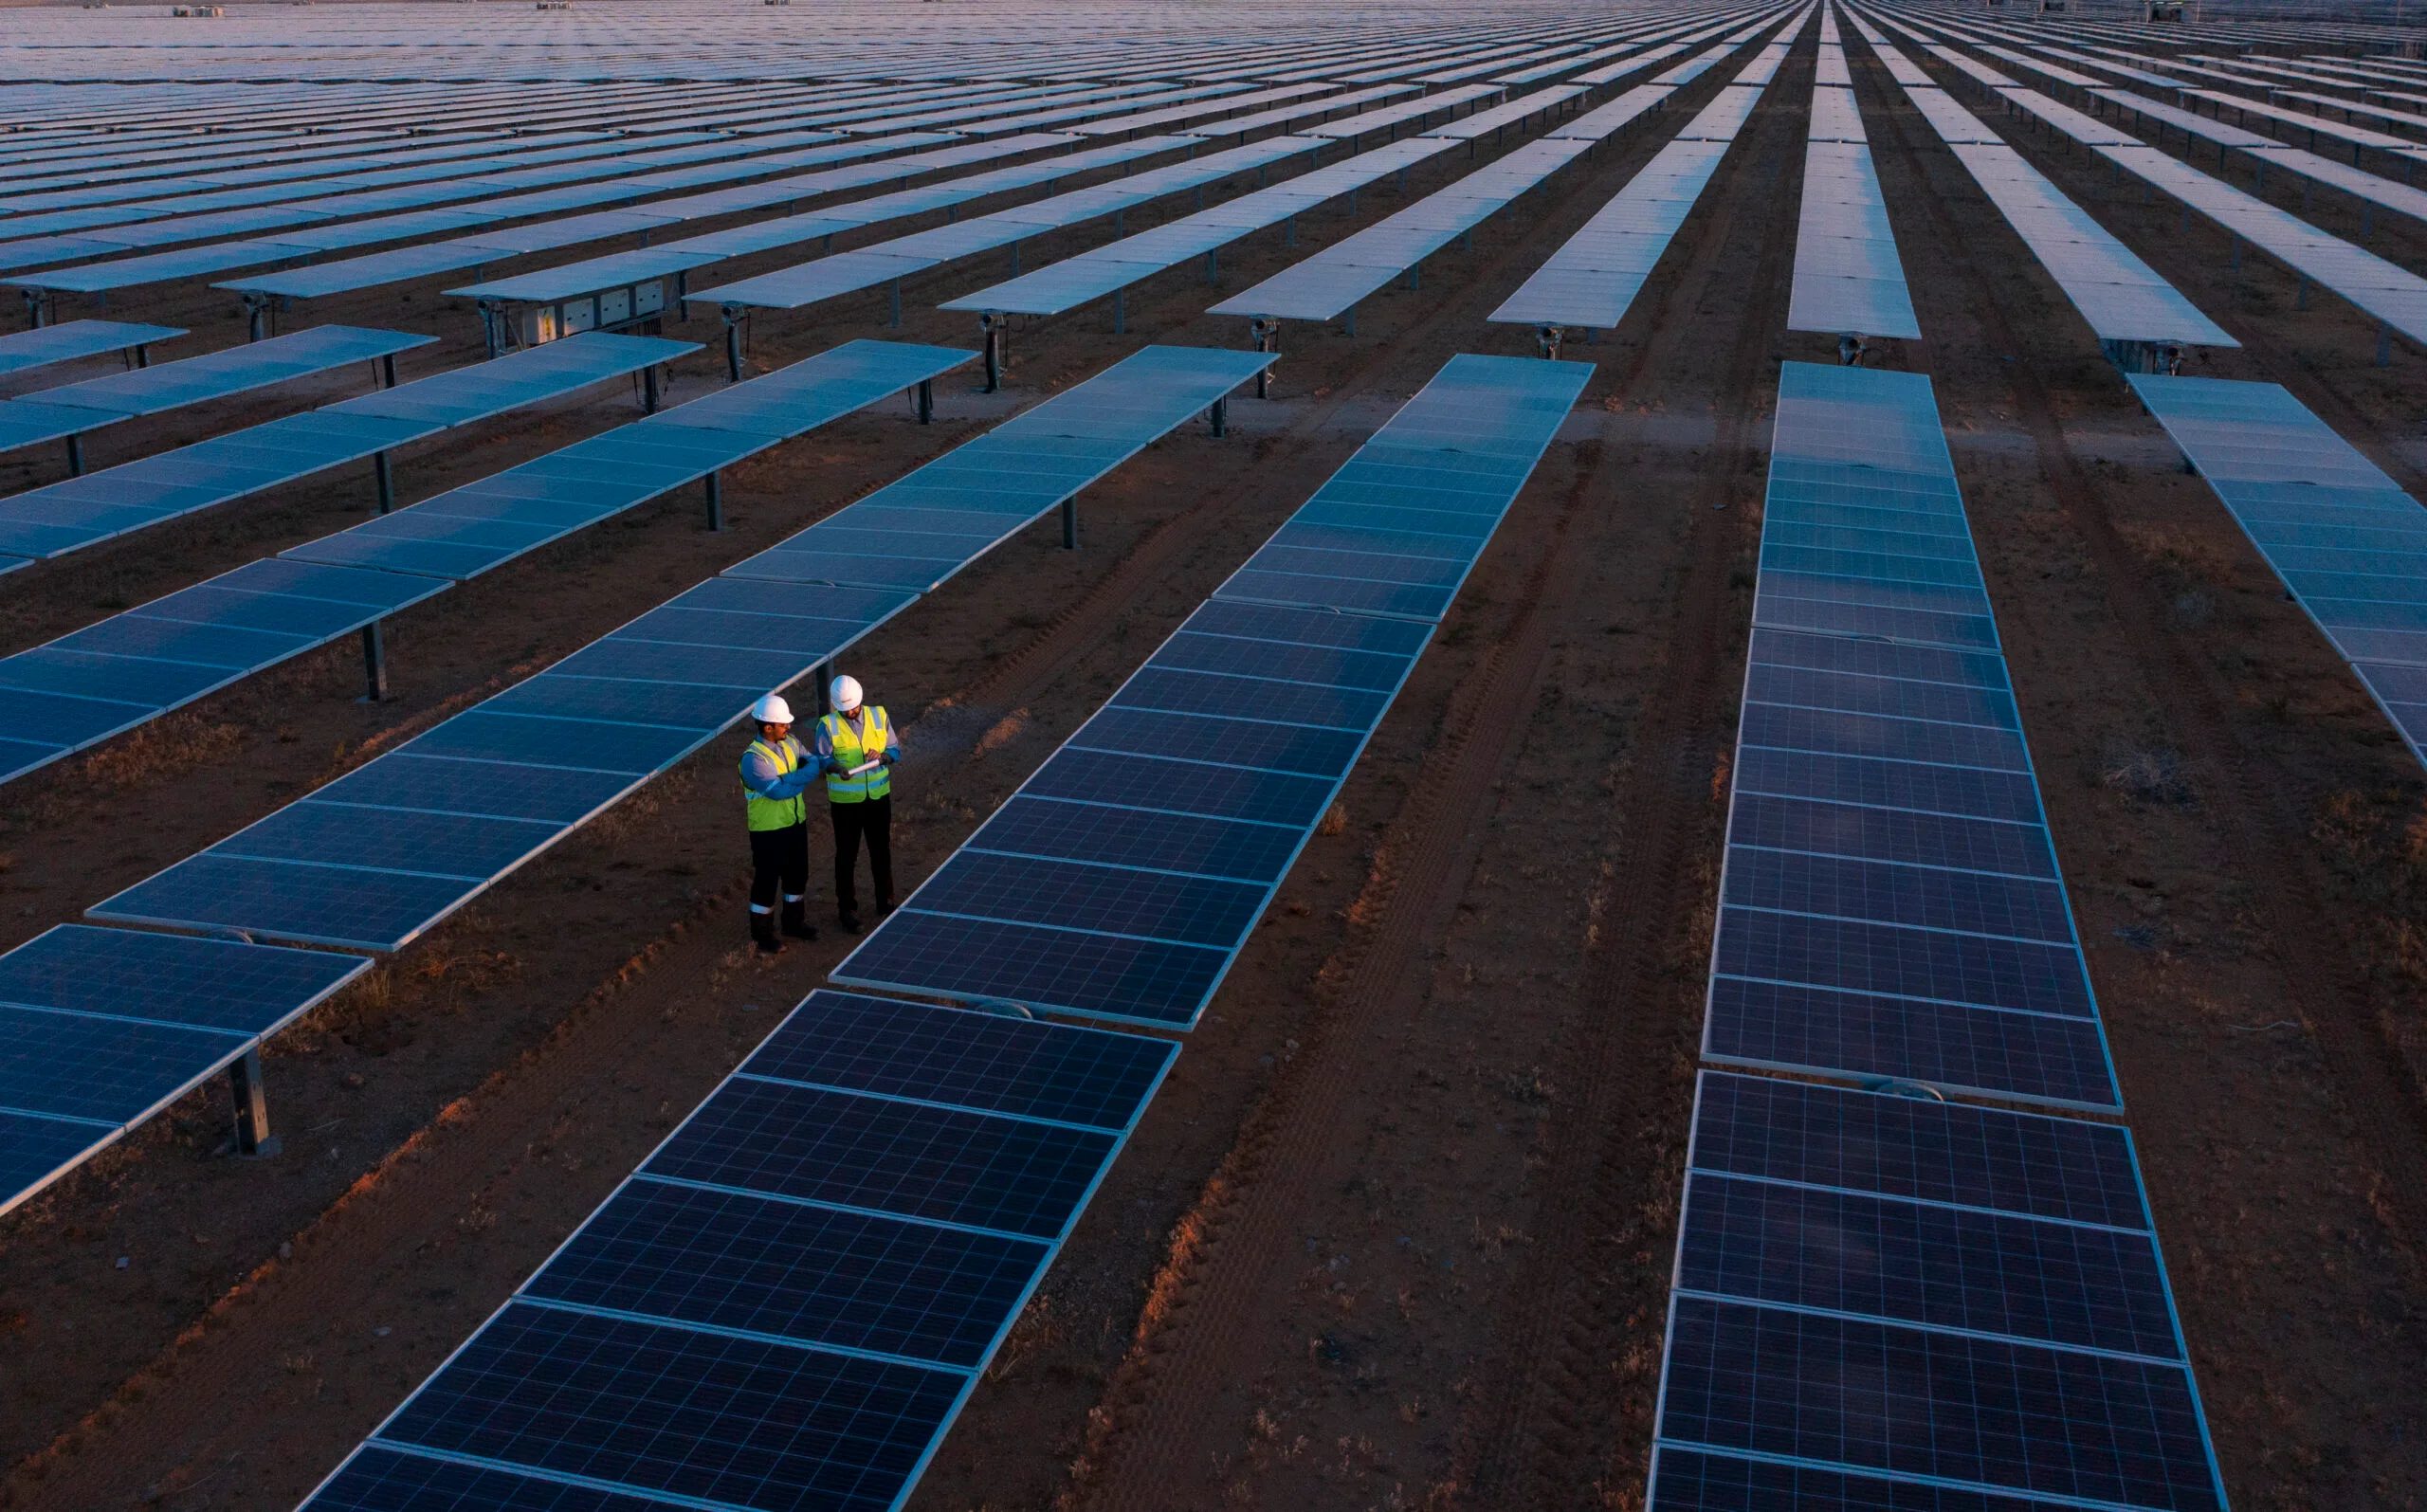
(797, 922)
(851, 922)
(885, 909)
(763, 932)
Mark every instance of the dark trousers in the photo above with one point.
(872, 820)
(779, 858)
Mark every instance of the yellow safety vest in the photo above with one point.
(774, 813)
(853, 746)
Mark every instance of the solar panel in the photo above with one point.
(1594, 276)
(1848, 279)
(912, 534)
(81, 1058)
(883, 262)
(2349, 545)
(525, 767)
(73, 409)
(1891, 904)
(2120, 296)
(1125, 874)
(1324, 285)
(83, 511)
(71, 339)
(787, 1302)
(1881, 1299)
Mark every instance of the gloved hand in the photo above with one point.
(888, 758)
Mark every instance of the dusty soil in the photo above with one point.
(1397, 1231)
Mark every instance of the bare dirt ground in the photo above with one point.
(1397, 1232)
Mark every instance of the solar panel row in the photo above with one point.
(371, 860)
(95, 683)
(1891, 904)
(74, 408)
(83, 1058)
(84, 511)
(1124, 877)
(2348, 543)
(45, 345)
(2122, 297)
(1848, 281)
(786, 1306)
(1594, 276)
(1884, 1301)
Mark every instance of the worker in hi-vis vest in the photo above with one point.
(856, 750)
(775, 771)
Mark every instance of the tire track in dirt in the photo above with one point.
(2255, 806)
(1182, 1357)
(1552, 1417)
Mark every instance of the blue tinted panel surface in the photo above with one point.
(385, 1479)
(1011, 1175)
(736, 1421)
(213, 984)
(817, 1275)
(34, 1150)
(1688, 1481)
(972, 1060)
(2026, 1418)
(1892, 906)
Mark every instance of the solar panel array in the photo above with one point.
(2384, 289)
(21, 351)
(107, 678)
(1330, 283)
(75, 409)
(1880, 1298)
(2348, 543)
(1885, 1302)
(1106, 270)
(378, 856)
(1891, 904)
(84, 511)
(1122, 878)
(1848, 279)
(880, 263)
(788, 1302)
(1594, 276)
(99, 1028)
(2121, 297)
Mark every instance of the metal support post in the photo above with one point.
(75, 456)
(1015, 260)
(252, 1106)
(1549, 337)
(893, 309)
(993, 325)
(383, 474)
(374, 665)
(1213, 267)
(1071, 523)
(1268, 338)
(388, 370)
(712, 492)
(823, 675)
(927, 401)
(648, 390)
(733, 343)
(2384, 345)
(256, 318)
(1221, 416)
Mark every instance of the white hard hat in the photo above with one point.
(844, 691)
(771, 710)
